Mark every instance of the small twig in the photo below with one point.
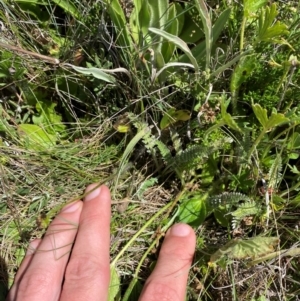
(42, 57)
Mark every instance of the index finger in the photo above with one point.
(87, 274)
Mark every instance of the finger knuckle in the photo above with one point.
(84, 268)
(160, 291)
(35, 283)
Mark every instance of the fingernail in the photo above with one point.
(71, 207)
(93, 194)
(180, 230)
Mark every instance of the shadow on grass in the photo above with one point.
(3, 280)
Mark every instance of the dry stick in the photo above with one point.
(42, 57)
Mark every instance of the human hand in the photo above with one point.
(71, 262)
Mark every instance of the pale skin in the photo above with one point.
(71, 262)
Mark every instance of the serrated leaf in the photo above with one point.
(179, 43)
(114, 285)
(193, 211)
(243, 249)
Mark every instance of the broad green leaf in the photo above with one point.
(261, 114)
(191, 31)
(116, 14)
(172, 27)
(114, 285)
(180, 15)
(140, 20)
(48, 118)
(199, 50)
(158, 19)
(193, 211)
(252, 6)
(207, 25)
(35, 137)
(243, 249)
(68, 6)
(173, 116)
(179, 43)
(158, 15)
(242, 71)
(95, 72)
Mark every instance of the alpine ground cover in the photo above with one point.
(188, 110)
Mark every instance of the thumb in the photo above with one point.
(169, 278)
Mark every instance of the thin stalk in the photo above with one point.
(137, 234)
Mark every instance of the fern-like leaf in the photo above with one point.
(250, 208)
(227, 198)
(275, 174)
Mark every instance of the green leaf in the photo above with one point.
(172, 116)
(199, 50)
(293, 144)
(179, 43)
(193, 211)
(267, 29)
(95, 72)
(261, 114)
(35, 137)
(140, 20)
(116, 13)
(242, 71)
(114, 285)
(252, 6)
(244, 249)
(68, 6)
(222, 217)
(172, 27)
(227, 118)
(207, 25)
(48, 118)
(191, 31)
(275, 120)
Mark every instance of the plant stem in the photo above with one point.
(136, 235)
(257, 141)
(242, 33)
